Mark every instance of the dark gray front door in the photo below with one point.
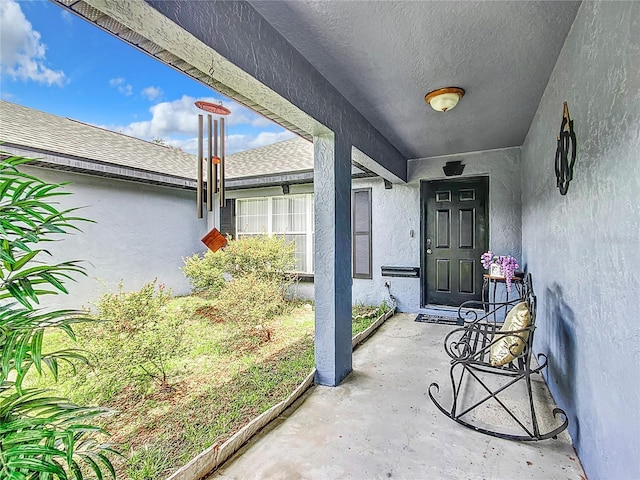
(454, 234)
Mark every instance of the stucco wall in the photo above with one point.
(141, 232)
(583, 248)
(396, 212)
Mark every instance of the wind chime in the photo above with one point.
(214, 163)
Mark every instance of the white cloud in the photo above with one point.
(168, 119)
(122, 86)
(22, 54)
(177, 117)
(152, 93)
(265, 138)
(176, 123)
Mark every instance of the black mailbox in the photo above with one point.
(411, 272)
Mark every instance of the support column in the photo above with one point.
(332, 273)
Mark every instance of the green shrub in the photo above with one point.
(131, 312)
(250, 300)
(265, 257)
(206, 272)
(135, 340)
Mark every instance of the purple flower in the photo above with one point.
(507, 263)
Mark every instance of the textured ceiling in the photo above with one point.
(384, 56)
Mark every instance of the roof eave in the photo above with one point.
(70, 163)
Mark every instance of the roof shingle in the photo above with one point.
(26, 127)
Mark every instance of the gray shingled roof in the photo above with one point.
(283, 157)
(25, 127)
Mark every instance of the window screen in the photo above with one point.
(252, 216)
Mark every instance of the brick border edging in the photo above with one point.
(211, 458)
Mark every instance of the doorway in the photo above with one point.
(454, 234)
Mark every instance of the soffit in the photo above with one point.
(303, 124)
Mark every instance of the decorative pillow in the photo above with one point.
(505, 348)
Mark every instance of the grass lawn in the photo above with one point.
(223, 377)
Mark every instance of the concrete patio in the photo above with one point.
(380, 423)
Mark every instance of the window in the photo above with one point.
(361, 238)
(252, 216)
(290, 216)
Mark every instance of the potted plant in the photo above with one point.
(500, 266)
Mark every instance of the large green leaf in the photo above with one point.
(41, 428)
(41, 436)
(24, 259)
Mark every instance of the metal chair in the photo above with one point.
(469, 348)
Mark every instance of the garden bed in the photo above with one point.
(223, 376)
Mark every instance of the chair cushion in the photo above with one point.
(505, 348)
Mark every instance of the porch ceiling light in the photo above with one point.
(444, 99)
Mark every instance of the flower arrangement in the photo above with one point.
(506, 263)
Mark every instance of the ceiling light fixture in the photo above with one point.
(444, 99)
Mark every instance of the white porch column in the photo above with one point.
(332, 275)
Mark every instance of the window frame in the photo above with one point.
(309, 225)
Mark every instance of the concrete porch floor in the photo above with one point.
(380, 423)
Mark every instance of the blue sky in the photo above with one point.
(52, 60)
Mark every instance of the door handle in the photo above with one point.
(429, 251)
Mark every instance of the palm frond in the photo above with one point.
(42, 437)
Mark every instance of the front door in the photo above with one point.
(455, 230)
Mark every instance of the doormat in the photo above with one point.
(427, 318)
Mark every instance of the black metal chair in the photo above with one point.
(471, 367)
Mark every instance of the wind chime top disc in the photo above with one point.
(212, 108)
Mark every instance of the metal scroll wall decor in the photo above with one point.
(565, 152)
(215, 156)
